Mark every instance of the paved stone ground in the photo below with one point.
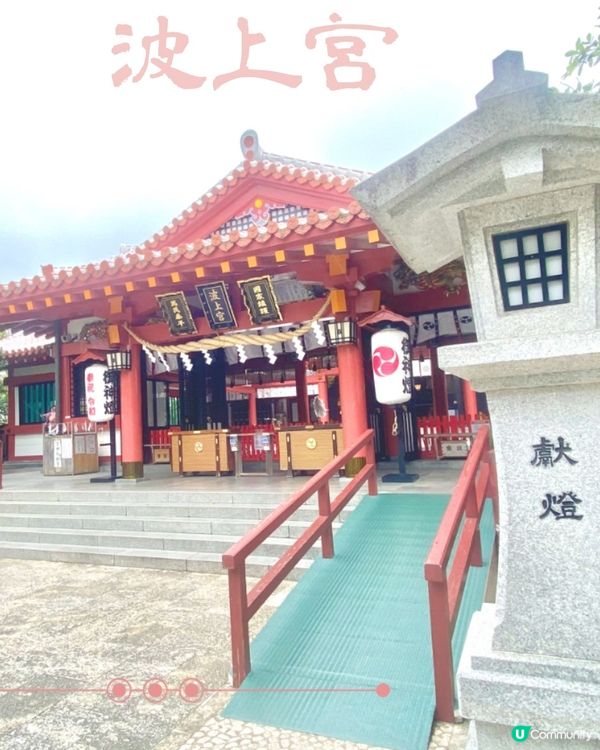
(79, 626)
(227, 734)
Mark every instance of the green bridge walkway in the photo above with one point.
(356, 621)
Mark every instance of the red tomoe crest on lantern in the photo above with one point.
(391, 362)
(385, 361)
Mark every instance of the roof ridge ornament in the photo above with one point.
(251, 149)
(510, 77)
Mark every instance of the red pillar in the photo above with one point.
(353, 399)
(12, 415)
(132, 450)
(252, 413)
(302, 393)
(469, 399)
(65, 388)
(438, 382)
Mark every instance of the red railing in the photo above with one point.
(244, 605)
(476, 482)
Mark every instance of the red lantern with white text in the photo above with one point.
(391, 361)
(97, 394)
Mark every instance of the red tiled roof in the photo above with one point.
(146, 257)
(20, 345)
(156, 252)
(322, 176)
(35, 351)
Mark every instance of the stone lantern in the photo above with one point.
(515, 188)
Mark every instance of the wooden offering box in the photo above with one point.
(70, 453)
(310, 447)
(205, 451)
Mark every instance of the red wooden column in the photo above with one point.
(65, 388)
(438, 383)
(469, 400)
(252, 412)
(132, 450)
(353, 400)
(302, 393)
(58, 405)
(13, 410)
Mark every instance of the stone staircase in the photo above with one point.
(173, 531)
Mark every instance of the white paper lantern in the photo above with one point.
(390, 358)
(95, 398)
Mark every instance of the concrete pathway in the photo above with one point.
(67, 627)
(434, 476)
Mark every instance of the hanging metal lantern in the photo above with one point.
(391, 361)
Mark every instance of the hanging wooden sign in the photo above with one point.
(177, 314)
(216, 305)
(259, 298)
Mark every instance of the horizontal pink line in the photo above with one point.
(53, 690)
(206, 690)
(291, 690)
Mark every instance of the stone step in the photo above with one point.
(142, 509)
(187, 530)
(152, 497)
(194, 562)
(235, 527)
(217, 543)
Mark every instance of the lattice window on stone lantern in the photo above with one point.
(533, 267)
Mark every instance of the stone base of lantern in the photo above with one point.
(555, 698)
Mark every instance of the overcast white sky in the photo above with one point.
(86, 166)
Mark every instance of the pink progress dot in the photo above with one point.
(119, 690)
(155, 690)
(191, 690)
(383, 690)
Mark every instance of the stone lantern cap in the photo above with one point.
(523, 139)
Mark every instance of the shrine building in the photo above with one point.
(239, 316)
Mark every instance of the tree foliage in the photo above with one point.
(585, 55)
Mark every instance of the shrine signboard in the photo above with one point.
(216, 305)
(259, 298)
(177, 314)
